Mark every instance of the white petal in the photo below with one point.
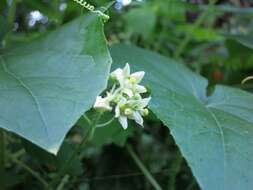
(137, 97)
(122, 81)
(123, 121)
(144, 102)
(128, 92)
(99, 102)
(117, 111)
(122, 101)
(117, 73)
(140, 89)
(138, 76)
(126, 71)
(137, 117)
(102, 103)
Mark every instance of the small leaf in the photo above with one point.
(215, 133)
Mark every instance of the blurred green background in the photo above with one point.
(214, 39)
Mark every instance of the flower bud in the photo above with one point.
(145, 112)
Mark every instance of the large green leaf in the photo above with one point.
(215, 134)
(47, 85)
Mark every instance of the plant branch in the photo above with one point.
(88, 136)
(142, 167)
(28, 169)
(63, 183)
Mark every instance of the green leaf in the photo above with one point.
(215, 134)
(49, 83)
(141, 20)
(240, 56)
(246, 40)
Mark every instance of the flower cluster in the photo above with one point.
(125, 97)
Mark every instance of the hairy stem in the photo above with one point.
(142, 167)
(2, 161)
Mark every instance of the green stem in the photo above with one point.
(87, 119)
(175, 168)
(247, 79)
(11, 14)
(106, 123)
(57, 13)
(63, 183)
(197, 23)
(142, 167)
(88, 136)
(10, 20)
(30, 170)
(2, 161)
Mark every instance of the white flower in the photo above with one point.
(137, 77)
(136, 116)
(102, 103)
(125, 97)
(121, 75)
(129, 82)
(124, 77)
(131, 109)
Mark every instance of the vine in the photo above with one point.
(91, 8)
(85, 4)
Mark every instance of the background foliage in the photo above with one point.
(211, 39)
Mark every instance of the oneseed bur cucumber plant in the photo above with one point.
(71, 97)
